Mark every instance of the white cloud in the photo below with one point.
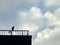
(52, 18)
(28, 19)
(48, 37)
(35, 16)
(35, 12)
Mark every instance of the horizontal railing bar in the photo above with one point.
(14, 30)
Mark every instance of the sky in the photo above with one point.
(40, 17)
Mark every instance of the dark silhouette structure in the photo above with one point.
(15, 37)
(15, 40)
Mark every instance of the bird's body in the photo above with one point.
(13, 28)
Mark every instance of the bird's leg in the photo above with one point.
(10, 32)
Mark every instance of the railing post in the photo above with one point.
(22, 32)
(11, 32)
(27, 32)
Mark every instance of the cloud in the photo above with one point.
(34, 12)
(51, 3)
(57, 12)
(35, 17)
(48, 37)
(29, 19)
(30, 16)
(33, 20)
(52, 18)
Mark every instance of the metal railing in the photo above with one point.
(15, 32)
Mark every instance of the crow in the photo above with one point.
(13, 28)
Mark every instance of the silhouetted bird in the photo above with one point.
(13, 28)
